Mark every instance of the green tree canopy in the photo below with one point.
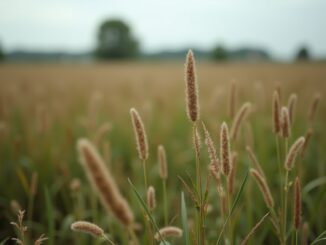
(303, 54)
(115, 41)
(219, 53)
(2, 55)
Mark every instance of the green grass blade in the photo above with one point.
(184, 220)
(319, 238)
(233, 206)
(4, 241)
(143, 204)
(50, 217)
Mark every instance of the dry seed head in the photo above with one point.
(261, 182)
(168, 231)
(232, 99)
(239, 118)
(196, 141)
(87, 227)
(225, 150)
(297, 203)
(211, 149)
(191, 88)
(151, 201)
(313, 108)
(255, 161)
(103, 182)
(307, 138)
(293, 152)
(276, 112)
(140, 134)
(292, 106)
(162, 162)
(285, 123)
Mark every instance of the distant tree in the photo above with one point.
(115, 41)
(219, 53)
(303, 54)
(2, 55)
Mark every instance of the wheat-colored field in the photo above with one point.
(46, 108)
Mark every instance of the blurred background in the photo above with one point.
(248, 30)
(74, 68)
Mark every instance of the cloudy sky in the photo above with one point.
(280, 26)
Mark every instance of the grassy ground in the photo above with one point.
(46, 108)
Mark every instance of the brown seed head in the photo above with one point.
(211, 149)
(261, 182)
(307, 138)
(313, 108)
(162, 162)
(151, 201)
(297, 204)
(103, 182)
(225, 149)
(168, 231)
(292, 102)
(293, 152)
(276, 113)
(239, 118)
(191, 88)
(87, 227)
(285, 123)
(140, 134)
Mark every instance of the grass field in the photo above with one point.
(46, 108)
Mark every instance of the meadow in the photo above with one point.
(46, 109)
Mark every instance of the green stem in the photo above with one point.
(285, 204)
(200, 236)
(145, 175)
(166, 217)
(108, 239)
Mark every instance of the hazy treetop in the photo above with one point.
(279, 26)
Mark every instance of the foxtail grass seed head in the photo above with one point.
(285, 123)
(238, 120)
(87, 227)
(103, 182)
(313, 108)
(292, 106)
(196, 141)
(225, 154)
(297, 204)
(191, 88)
(211, 149)
(162, 162)
(261, 182)
(140, 134)
(232, 99)
(151, 201)
(168, 231)
(307, 138)
(276, 113)
(293, 152)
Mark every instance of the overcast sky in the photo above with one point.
(280, 26)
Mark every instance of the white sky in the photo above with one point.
(280, 26)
